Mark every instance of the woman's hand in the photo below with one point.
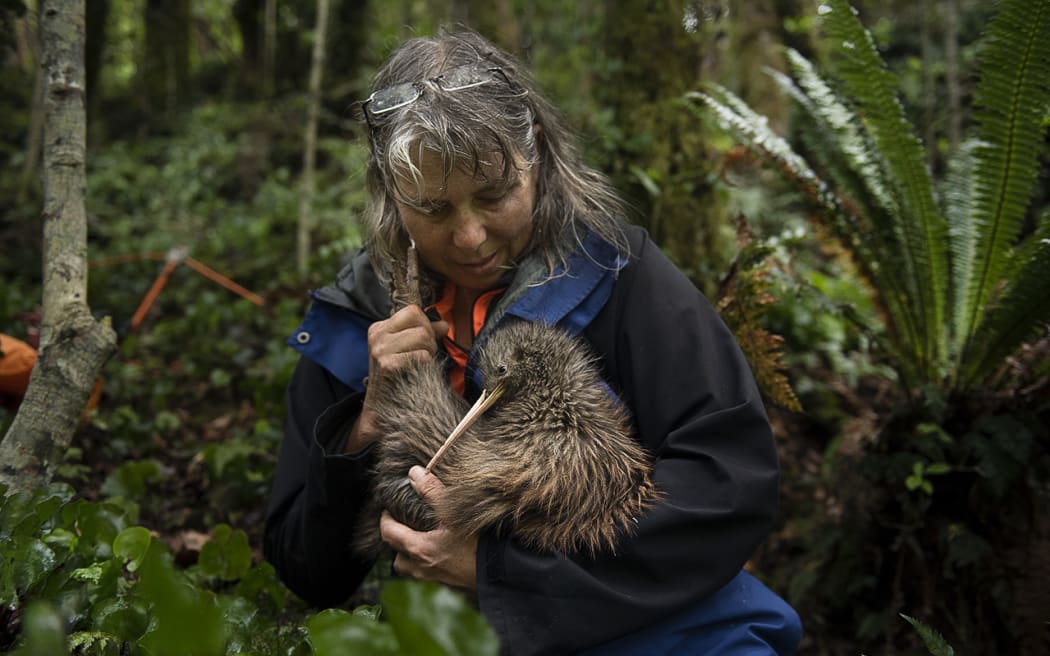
(439, 555)
(392, 343)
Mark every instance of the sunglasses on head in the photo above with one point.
(456, 79)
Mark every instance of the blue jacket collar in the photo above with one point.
(334, 332)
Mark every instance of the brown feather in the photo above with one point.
(553, 463)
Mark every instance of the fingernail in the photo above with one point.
(416, 473)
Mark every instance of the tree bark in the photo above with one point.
(73, 346)
(35, 134)
(951, 74)
(662, 160)
(306, 194)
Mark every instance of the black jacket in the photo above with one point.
(696, 409)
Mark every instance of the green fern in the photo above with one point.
(844, 150)
(918, 223)
(1012, 99)
(934, 641)
(927, 262)
(743, 301)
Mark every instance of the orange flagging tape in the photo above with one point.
(174, 257)
(153, 293)
(212, 274)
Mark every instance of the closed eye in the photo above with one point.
(434, 210)
(494, 196)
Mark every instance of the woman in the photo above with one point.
(473, 166)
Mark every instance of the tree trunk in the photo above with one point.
(659, 50)
(35, 134)
(73, 346)
(166, 66)
(951, 74)
(306, 194)
(269, 77)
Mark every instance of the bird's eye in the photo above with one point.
(501, 369)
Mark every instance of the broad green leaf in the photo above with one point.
(98, 525)
(431, 619)
(227, 555)
(132, 545)
(30, 563)
(127, 618)
(186, 620)
(260, 584)
(335, 632)
(43, 632)
(130, 479)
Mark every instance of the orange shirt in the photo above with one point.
(457, 376)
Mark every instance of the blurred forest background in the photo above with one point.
(913, 483)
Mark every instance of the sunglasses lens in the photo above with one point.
(394, 97)
(400, 95)
(464, 77)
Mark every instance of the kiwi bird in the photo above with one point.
(546, 455)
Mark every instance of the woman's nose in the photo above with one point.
(469, 231)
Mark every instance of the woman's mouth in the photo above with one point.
(483, 266)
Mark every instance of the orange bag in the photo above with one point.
(16, 362)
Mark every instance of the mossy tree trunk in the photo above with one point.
(656, 53)
(73, 345)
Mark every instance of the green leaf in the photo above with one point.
(935, 642)
(260, 585)
(29, 563)
(131, 545)
(335, 632)
(130, 479)
(186, 620)
(43, 632)
(431, 619)
(98, 525)
(126, 618)
(227, 555)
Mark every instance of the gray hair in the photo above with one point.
(470, 129)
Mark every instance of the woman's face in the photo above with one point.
(469, 229)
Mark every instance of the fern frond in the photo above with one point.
(743, 301)
(962, 237)
(839, 215)
(1011, 100)
(841, 121)
(934, 641)
(753, 129)
(845, 155)
(1018, 315)
(919, 225)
